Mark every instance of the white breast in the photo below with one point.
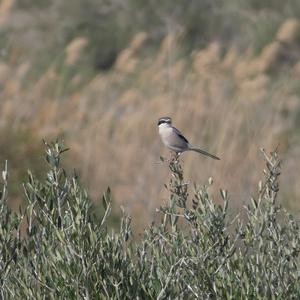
(171, 139)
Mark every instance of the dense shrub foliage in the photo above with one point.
(195, 251)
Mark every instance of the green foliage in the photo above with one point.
(22, 151)
(195, 251)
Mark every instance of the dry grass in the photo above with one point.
(229, 104)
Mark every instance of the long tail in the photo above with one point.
(203, 152)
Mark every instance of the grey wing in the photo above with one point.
(180, 134)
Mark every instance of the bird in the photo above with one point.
(173, 139)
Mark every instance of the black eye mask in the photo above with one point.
(161, 121)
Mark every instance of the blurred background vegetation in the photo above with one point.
(99, 73)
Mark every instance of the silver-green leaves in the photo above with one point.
(194, 250)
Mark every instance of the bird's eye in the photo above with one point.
(164, 121)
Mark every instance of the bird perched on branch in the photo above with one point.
(174, 140)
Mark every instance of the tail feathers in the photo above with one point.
(203, 152)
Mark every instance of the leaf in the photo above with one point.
(224, 194)
(254, 203)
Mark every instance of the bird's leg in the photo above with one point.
(171, 156)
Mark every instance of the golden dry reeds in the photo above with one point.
(74, 50)
(126, 61)
(5, 8)
(288, 31)
(228, 104)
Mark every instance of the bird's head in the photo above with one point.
(164, 121)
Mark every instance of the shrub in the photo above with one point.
(17, 144)
(195, 251)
